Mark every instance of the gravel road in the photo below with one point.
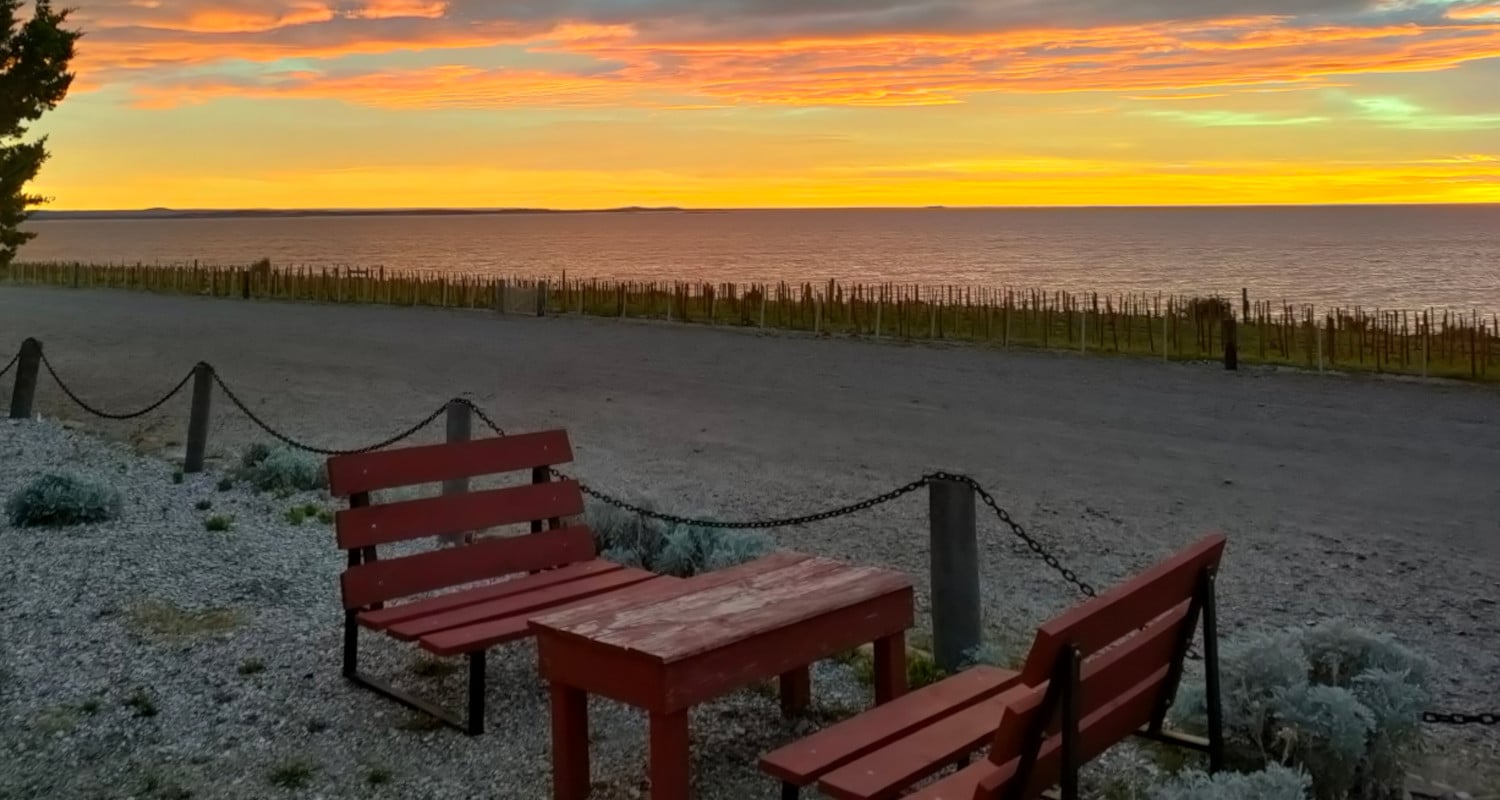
(1363, 497)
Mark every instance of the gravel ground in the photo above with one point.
(1369, 498)
(148, 655)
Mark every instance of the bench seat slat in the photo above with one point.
(804, 761)
(379, 620)
(496, 631)
(516, 604)
(456, 513)
(394, 578)
(884, 773)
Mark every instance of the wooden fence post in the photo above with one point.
(197, 435)
(27, 366)
(460, 429)
(541, 298)
(1231, 344)
(955, 573)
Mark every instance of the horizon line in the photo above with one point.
(674, 208)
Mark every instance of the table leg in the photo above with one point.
(890, 667)
(570, 743)
(671, 776)
(796, 691)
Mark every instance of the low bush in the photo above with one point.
(1273, 783)
(59, 500)
(668, 549)
(1338, 702)
(281, 469)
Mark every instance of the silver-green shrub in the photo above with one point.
(1337, 701)
(1272, 783)
(681, 550)
(58, 500)
(282, 469)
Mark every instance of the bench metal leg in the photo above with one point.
(790, 791)
(476, 693)
(473, 725)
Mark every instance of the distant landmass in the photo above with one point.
(218, 213)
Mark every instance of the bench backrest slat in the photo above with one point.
(1113, 615)
(1109, 724)
(387, 469)
(1112, 673)
(459, 513)
(390, 579)
(1131, 640)
(542, 502)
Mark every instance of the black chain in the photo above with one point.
(289, 441)
(13, 360)
(750, 524)
(1015, 528)
(1435, 717)
(105, 414)
(479, 412)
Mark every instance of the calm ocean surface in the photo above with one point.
(1387, 257)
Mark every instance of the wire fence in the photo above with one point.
(1006, 520)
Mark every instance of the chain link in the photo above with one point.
(1015, 528)
(1436, 717)
(479, 412)
(291, 442)
(13, 360)
(787, 522)
(105, 414)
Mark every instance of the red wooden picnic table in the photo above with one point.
(665, 648)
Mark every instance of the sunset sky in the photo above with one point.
(748, 103)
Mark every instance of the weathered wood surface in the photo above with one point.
(378, 620)
(665, 647)
(805, 760)
(394, 578)
(387, 469)
(456, 513)
(505, 629)
(740, 603)
(1125, 608)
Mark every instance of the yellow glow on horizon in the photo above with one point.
(401, 103)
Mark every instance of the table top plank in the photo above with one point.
(564, 619)
(727, 606)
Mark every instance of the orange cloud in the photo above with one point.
(885, 70)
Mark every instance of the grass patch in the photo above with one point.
(295, 515)
(316, 725)
(294, 774)
(226, 483)
(204, 505)
(177, 476)
(325, 516)
(163, 788)
(141, 702)
(429, 667)
(62, 719)
(379, 776)
(156, 618)
(420, 723)
(90, 706)
(252, 666)
(218, 523)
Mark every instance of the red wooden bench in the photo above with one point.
(1095, 675)
(550, 567)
